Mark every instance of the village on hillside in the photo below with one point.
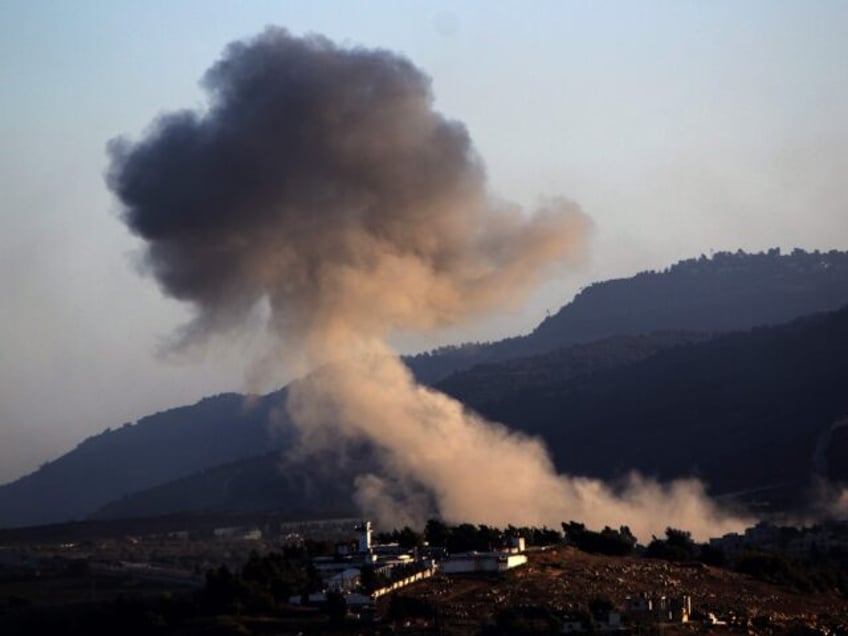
(456, 579)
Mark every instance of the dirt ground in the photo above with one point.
(564, 579)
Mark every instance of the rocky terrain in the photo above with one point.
(564, 580)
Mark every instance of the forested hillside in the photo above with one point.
(742, 411)
(155, 450)
(727, 292)
(264, 482)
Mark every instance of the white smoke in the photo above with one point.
(476, 471)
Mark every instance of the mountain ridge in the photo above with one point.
(154, 450)
(742, 410)
(726, 292)
(579, 406)
(178, 443)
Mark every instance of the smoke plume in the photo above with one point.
(320, 181)
(477, 470)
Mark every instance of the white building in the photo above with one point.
(364, 531)
(481, 562)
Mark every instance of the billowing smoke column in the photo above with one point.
(320, 181)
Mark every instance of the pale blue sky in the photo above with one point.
(679, 127)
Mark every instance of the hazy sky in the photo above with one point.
(679, 127)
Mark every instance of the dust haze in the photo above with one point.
(319, 182)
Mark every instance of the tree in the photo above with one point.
(408, 538)
(436, 533)
(711, 555)
(368, 579)
(336, 607)
(677, 546)
(222, 591)
(464, 538)
(608, 541)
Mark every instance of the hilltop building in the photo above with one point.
(481, 562)
(365, 533)
(364, 570)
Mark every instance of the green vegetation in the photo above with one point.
(608, 541)
(725, 292)
(252, 597)
(466, 537)
(677, 546)
(822, 572)
(263, 582)
(407, 538)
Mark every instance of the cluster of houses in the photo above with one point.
(394, 567)
(636, 614)
(795, 542)
(642, 609)
(659, 609)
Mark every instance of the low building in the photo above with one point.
(481, 562)
(660, 609)
(238, 533)
(345, 581)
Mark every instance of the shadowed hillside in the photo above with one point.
(300, 489)
(324, 483)
(742, 411)
(727, 292)
(155, 450)
(490, 382)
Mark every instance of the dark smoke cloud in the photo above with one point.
(321, 179)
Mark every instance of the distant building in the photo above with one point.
(179, 535)
(516, 544)
(731, 543)
(343, 572)
(662, 609)
(238, 533)
(345, 581)
(797, 542)
(400, 566)
(365, 532)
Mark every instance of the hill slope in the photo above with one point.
(564, 580)
(273, 481)
(743, 411)
(155, 450)
(604, 408)
(261, 483)
(728, 292)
